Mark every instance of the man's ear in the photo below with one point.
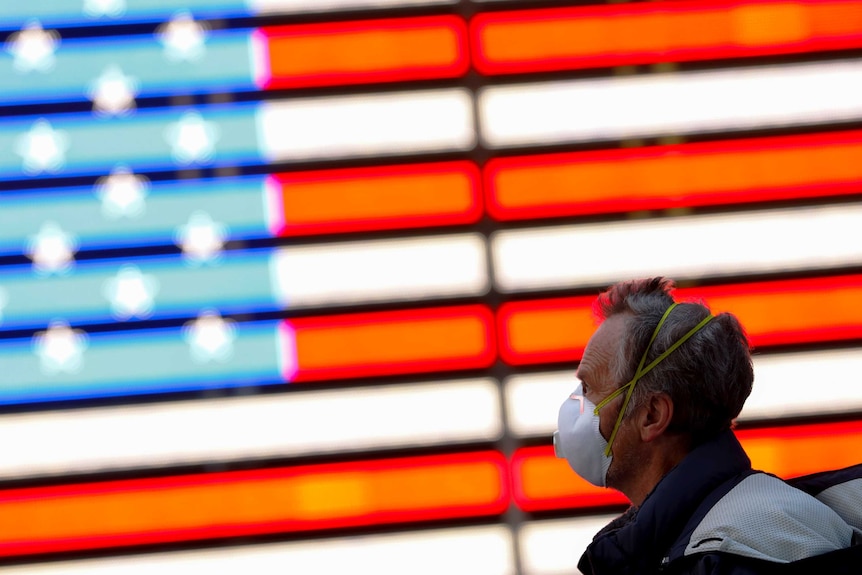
(655, 416)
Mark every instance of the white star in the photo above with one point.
(201, 238)
(131, 293)
(122, 194)
(113, 93)
(109, 8)
(43, 148)
(60, 348)
(33, 48)
(52, 249)
(210, 337)
(192, 139)
(182, 38)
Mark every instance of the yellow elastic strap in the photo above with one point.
(638, 373)
(641, 370)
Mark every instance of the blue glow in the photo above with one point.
(139, 362)
(146, 140)
(225, 65)
(238, 282)
(154, 218)
(64, 13)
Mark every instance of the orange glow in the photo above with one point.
(792, 311)
(538, 332)
(366, 51)
(541, 331)
(393, 342)
(541, 481)
(674, 176)
(114, 513)
(804, 449)
(595, 36)
(331, 201)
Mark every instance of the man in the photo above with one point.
(661, 384)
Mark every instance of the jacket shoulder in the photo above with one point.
(842, 562)
(840, 489)
(764, 518)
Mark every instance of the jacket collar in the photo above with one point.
(638, 545)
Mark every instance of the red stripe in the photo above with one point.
(396, 342)
(683, 175)
(190, 507)
(601, 36)
(772, 313)
(364, 51)
(376, 198)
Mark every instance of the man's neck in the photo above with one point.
(658, 459)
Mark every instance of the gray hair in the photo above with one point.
(708, 378)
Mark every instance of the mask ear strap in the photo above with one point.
(642, 371)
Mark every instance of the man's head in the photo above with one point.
(689, 397)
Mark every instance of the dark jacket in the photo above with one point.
(713, 515)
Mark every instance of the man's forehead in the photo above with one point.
(602, 346)
(609, 333)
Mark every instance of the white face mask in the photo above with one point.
(579, 441)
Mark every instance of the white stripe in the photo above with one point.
(293, 6)
(677, 103)
(381, 270)
(808, 383)
(292, 424)
(370, 125)
(532, 401)
(483, 550)
(553, 547)
(785, 385)
(683, 248)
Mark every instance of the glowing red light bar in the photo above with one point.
(365, 51)
(132, 512)
(686, 175)
(388, 197)
(380, 343)
(772, 312)
(595, 36)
